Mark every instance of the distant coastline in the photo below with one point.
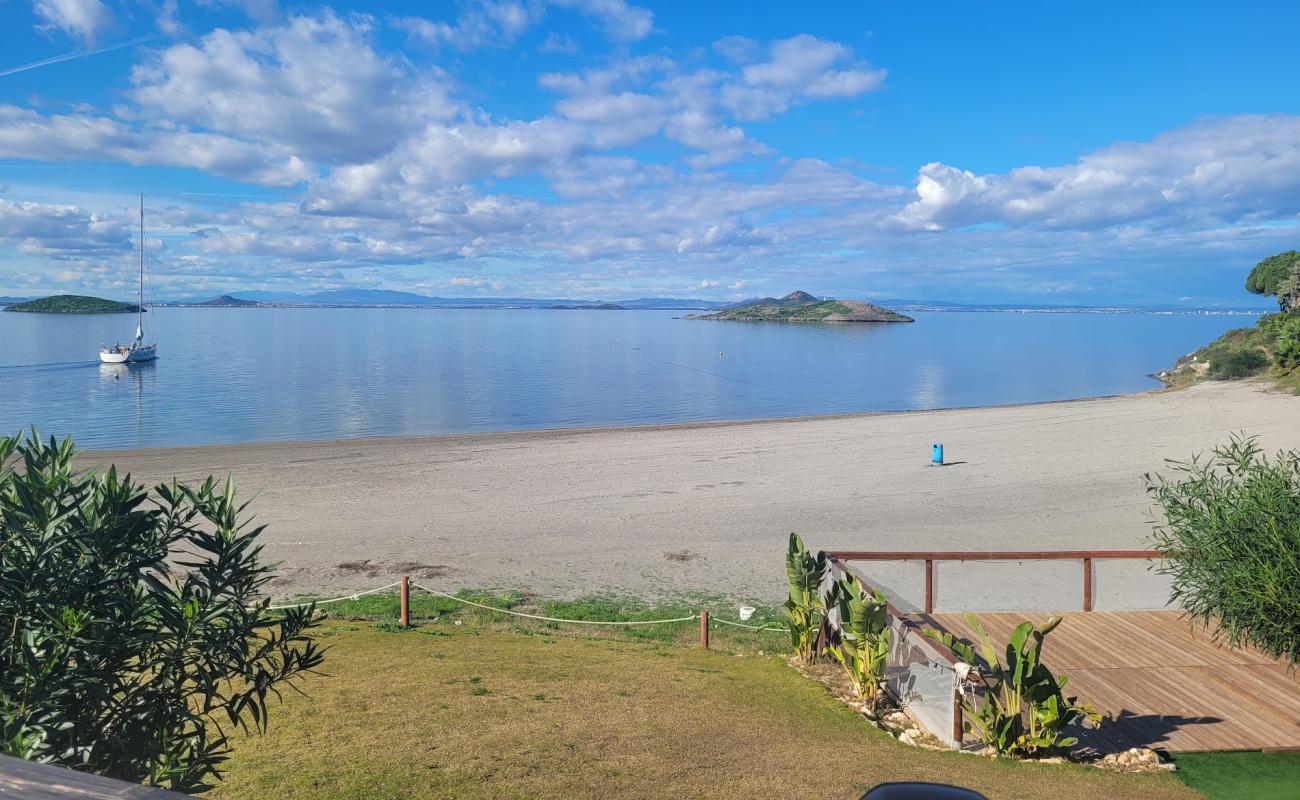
(407, 300)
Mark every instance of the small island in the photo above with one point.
(803, 307)
(73, 304)
(228, 301)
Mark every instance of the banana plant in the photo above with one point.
(863, 645)
(1024, 710)
(804, 608)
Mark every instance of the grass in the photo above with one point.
(384, 608)
(504, 710)
(1241, 776)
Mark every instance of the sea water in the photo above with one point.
(253, 375)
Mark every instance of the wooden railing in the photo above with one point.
(929, 557)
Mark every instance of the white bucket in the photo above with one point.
(746, 612)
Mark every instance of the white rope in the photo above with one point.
(333, 599)
(749, 627)
(554, 619)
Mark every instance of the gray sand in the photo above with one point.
(660, 510)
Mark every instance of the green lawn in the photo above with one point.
(1242, 776)
(489, 709)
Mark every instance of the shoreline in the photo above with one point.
(543, 433)
(663, 510)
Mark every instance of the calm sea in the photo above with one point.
(255, 375)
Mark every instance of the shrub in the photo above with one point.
(1282, 331)
(132, 627)
(1023, 710)
(1231, 535)
(1236, 362)
(863, 645)
(804, 606)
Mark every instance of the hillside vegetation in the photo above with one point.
(73, 304)
(803, 307)
(1270, 349)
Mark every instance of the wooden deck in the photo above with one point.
(1161, 685)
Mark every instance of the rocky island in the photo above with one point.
(803, 307)
(73, 304)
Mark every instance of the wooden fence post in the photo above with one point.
(929, 586)
(406, 601)
(1087, 584)
(704, 628)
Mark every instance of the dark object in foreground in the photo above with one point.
(134, 638)
(23, 780)
(921, 791)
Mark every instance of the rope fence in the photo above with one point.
(404, 593)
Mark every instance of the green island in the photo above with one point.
(803, 307)
(73, 304)
(1270, 350)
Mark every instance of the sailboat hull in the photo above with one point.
(129, 355)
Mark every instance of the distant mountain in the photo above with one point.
(386, 297)
(73, 304)
(803, 307)
(595, 307)
(226, 301)
(369, 297)
(8, 301)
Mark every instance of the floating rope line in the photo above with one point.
(555, 619)
(333, 599)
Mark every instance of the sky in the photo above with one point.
(1108, 153)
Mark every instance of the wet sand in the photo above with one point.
(706, 508)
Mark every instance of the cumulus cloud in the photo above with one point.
(620, 20)
(797, 70)
(1217, 170)
(62, 231)
(315, 85)
(486, 23)
(80, 19)
(29, 135)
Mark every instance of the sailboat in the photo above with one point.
(138, 349)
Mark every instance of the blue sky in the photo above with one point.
(1107, 153)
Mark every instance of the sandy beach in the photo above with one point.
(706, 508)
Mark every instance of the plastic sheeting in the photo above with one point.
(919, 672)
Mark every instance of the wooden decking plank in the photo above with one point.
(1166, 677)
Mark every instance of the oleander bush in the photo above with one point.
(133, 637)
(1230, 529)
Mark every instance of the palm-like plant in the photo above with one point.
(1023, 710)
(804, 607)
(863, 645)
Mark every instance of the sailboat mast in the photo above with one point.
(139, 325)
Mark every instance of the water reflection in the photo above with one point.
(334, 373)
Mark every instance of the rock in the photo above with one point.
(908, 736)
(897, 718)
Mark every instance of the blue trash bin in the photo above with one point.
(936, 454)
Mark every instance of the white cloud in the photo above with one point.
(1218, 170)
(621, 21)
(62, 231)
(486, 23)
(26, 134)
(797, 70)
(80, 19)
(314, 85)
